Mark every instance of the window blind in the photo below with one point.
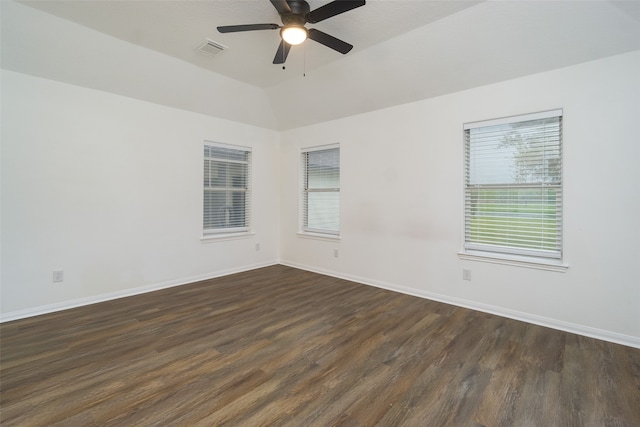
(226, 189)
(513, 185)
(321, 190)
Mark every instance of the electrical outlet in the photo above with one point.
(466, 274)
(257, 246)
(58, 276)
(335, 253)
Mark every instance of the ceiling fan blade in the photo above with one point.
(329, 41)
(332, 9)
(281, 6)
(248, 27)
(281, 54)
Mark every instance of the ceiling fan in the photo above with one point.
(294, 15)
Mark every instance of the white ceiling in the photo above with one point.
(176, 28)
(404, 51)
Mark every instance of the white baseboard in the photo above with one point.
(614, 337)
(65, 305)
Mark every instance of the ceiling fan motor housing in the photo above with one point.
(294, 23)
(293, 20)
(299, 11)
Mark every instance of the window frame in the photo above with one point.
(304, 229)
(237, 231)
(505, 254)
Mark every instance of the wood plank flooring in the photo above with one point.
(280, 346)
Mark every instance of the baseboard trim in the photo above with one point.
(574, 328)
(614, 337)
(65, 305)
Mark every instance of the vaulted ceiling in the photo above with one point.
(404, 51)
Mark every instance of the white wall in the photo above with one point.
(402, 200)
(109, 189)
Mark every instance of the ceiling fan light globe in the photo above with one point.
(293, 34)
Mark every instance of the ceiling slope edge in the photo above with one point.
(42, 45)
(481, 45)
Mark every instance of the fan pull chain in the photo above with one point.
(304, 62)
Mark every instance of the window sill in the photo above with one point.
(223, 237)
(514, 260)
(319, 236)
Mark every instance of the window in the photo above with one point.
(226, 189)
(513, 185)
(321, 190)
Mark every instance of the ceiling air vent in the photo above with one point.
(210, 48)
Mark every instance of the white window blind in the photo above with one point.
(321, 190)
(226, 189)
(513, 185)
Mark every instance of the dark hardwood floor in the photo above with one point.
(280, 346)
